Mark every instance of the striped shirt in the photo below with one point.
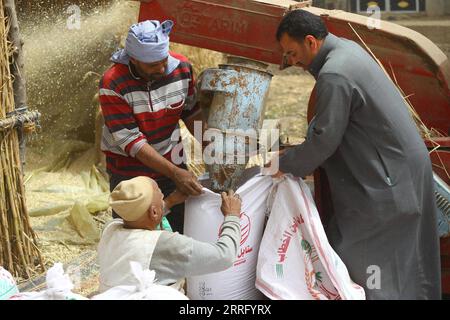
(137, 112)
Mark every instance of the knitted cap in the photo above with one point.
(131, 199)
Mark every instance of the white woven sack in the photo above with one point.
(203, 219)
(295, 259)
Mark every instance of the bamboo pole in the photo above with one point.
(17, 65)
(6, 259)
(17, 69)
(15, 217)
(19, 251)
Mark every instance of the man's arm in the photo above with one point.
(334, 98)
(180, 256)
(126, 138)
(177, 256)
(185, 181)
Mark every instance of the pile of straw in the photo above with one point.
(200, 59)
(18, 251)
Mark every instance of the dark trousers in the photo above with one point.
(167, 186)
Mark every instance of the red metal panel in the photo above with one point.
(440, 157)
(439, 142)
(445, 265)
(247, 28)
(441, 164)
(238, 27)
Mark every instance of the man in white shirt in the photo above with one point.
(141, 205)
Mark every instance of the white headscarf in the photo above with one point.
(147, 41)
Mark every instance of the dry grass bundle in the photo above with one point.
(200, 59)
(18, 251)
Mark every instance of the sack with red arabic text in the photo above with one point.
(295, 261)
(203, 219)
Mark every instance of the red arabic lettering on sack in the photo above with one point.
(245, 227)
(245, 250)
(245, 233)
(287, 235)
(240, 258)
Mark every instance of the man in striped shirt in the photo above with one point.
(142, 97)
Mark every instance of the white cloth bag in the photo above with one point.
(295, 259)
(203, 219)
(59, 287)
(145, 289)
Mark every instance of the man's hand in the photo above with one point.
(187, 182)
(277, 175)
(175, 198)
(231, 204)
(267, 170)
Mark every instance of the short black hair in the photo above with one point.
(300, 23)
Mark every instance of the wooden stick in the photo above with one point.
(14, 215)
(18, 245)
(4, 217)
(17, 69)
(20, 93)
